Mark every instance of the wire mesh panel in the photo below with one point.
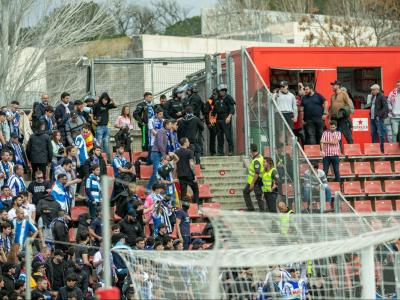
(126, 80)
(268, 256)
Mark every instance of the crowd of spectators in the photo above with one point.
(52, 160)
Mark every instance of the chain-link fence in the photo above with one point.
(126, 80)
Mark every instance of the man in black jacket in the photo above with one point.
(224, 109)
(194, 100)
(62, 114)
(379, 112)
(39, 150)
(8, 270)
(163, 106)
(131, 228)
(174, 106)
(143, 113)
(95, 158)
(55, 270)
(191, 127)
(70, 288)
(60, 231)
(39, 111)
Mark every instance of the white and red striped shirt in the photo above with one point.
(329, 149)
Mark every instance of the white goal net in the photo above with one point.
(276, 256)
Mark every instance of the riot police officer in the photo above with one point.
(211, 120)
(194, 100)
(174, 106)
(224, 109)
(191, 127)
(254, 180)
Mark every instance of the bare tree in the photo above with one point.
(23, 50)
(354, 23)
(169, 12)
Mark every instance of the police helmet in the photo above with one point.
(222, 87)
(174, 92)
(192, 87)
(180, 90)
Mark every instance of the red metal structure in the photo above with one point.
(356, 68)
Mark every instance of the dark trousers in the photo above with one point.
(196, 148)
(270, 200)
(314, 130)
(41, 167)
(186, 242)
(378, 130)
(334, 160)
(259, 197)
(224, 129)
(343, 125)
(289, 118)
(213, 136)
(184, 182)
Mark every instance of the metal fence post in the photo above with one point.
(229, 78)
(337, 202)
(92, 79)
(322, 198)
(271, 128)
(28, 266)
(105, 183)
(296, 177)
(208, 70)
(245, 100)
(219, 70)
(367, 273)
(152, 76)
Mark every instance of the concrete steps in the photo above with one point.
(226, 176)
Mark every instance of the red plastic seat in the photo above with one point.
(371, 149)
(397, 167)
(104, 155)
(383, 205)
(362, 168)
(196, 230)
(392, 148)
(287, 189)
(397, 205)
(312, 150)
(76, 211)
(352, 188)
(140, 191)
(345, 169)
(392, 186)
(199, 174)
(72, 235)
(204, 191)
(145, 172)
(352, 150)
(213, 205)
(138, 154)
(373, 187)
(110, 171)
(334, 186)
(116, 218)
(126, 155)
(363, 206)
(382, 167)
(193, 210)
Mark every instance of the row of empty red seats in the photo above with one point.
(194, 208)
(362, 168)
(371, 187)
(354, 150)
(365, 206)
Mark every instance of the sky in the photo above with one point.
(196, 5)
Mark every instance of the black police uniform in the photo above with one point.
(223, 107)
(191, 127)
(164, 108)
(141, 116)
(196, 103)
(174, 106)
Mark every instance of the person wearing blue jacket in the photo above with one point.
(93, 190)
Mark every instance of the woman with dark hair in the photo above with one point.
(124, 123)
(101, 118)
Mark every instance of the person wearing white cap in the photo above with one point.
(379, 112)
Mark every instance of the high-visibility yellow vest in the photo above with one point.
(267, 180)
(284, 220)
(252, 172)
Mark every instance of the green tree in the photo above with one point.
(188, 27)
